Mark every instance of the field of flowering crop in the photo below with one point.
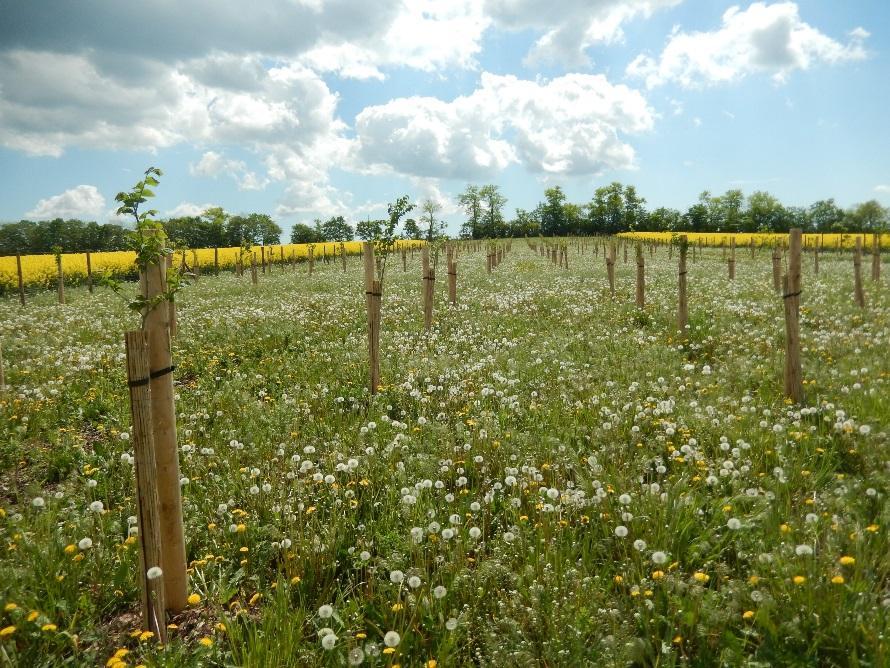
(549, 477)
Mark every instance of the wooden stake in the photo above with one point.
(682, 304)
(732, 259)
(253, 275)
(263, 258)
(641, 276)
(875, 258)
(777, 269)
(791, 287)
(610, 269)
(18, 266)
(373, 293)
(343, 255)
(147, 506)
(216, 261)
(153, 282)
(89, 273)
(859, 293)
(452, 276)
(172, 325)
(60, 279)
(427, 288)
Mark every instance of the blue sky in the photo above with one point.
(310, 108)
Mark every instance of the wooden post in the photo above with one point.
(253, 275)
(404, 259)
(216, 261)
(428, 284)
(641, 276)
(373, 293)
(777, 268)
(60, 279)
(816, 258)
(875, 258)
(452, 276)
(147, 506)
(18, 266)
(343, 255)
(89, 273)
(153, 281)
(624, 245)
(791, 285)
(682, 303)
(172, 325)
(311, 259)
(732, 259)
(263, 258)
(859, 293)
(610, 269)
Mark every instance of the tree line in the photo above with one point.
(613, 208)
(213, 228)
(619, 208)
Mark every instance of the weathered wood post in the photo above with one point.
(610, 268)
(682, 303)
(18, 267)
(156, 324)
(89, 273)
(311, 258)
(641, 276)
(216, 261)
(791, 284)
(452, 275)
(875, 258)
(427, 287)
(253, 273)
(60, 279)
(373, 293)
(172, 325)
(263, 258)
(777, 268)
(404, 259)
(732, 259)
(343, 255)
(147, 501)
(859, 293)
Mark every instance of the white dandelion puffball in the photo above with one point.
(325, 611)
(659, 557)
(734, 523)
(154, 573)
(396, 577)
(97, 506)
(391, 639)
(621, 531)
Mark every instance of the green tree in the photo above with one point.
(368, 230)
(827, 216)
(434, 228)
(491, 212)
(301, 233)
(336, 228)
(471, 201)
(869, 216)
(553, 217)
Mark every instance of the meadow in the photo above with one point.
(548, 477)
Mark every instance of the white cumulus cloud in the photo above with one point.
(568, 125)
(764, 38)
(83, 202)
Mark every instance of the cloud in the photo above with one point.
(84, 202)
(212, 164)
(568, 125)
(770, 39)
(883, 188)
(572, 26)
(188, 209)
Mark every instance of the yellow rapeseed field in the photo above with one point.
(40, 270)
(826, 241)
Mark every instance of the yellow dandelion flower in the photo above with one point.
(194, 599)
(389, 650)
(698, 576)
(748, 614)
(70, 549)
(847, 561)
(7, 631)
(205, 641)
(798, 579)
(9, 607)
(146, 635)
(49, 627)
(33, 615)
(838, 579)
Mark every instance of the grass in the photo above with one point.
(568, 481)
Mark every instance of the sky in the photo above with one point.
(313, 108)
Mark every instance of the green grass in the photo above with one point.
(526, 415)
